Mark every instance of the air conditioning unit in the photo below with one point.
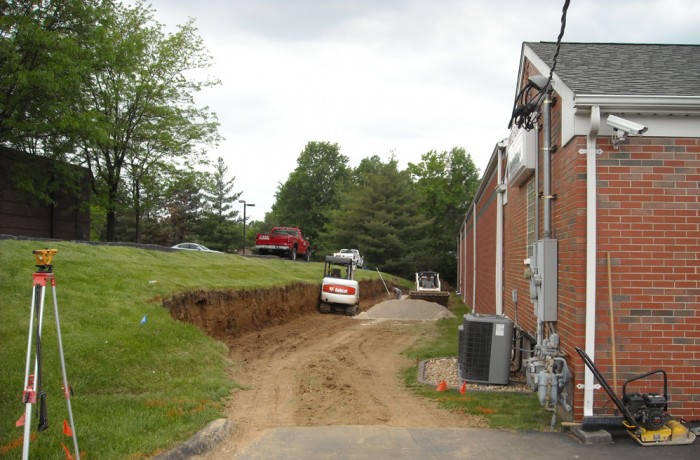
(484, 349)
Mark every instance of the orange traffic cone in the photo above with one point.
(442, 386)
(463, 388)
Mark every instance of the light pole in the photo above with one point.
(245, 205)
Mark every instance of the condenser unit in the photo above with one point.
(484, 349)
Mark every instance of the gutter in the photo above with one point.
(591, 246)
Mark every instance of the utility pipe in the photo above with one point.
(474, 260)
(500, 190)
(547, 166)
(591, 246)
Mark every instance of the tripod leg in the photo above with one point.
(30, 384)
(39, 373)
(66, 388)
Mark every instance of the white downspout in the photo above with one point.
(591, 152)
(474, 261)
(500, 189)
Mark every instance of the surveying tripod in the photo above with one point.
(33, 385)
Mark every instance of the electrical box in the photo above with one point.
(522, 155)
(546, 286)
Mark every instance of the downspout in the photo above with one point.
(474, 260)
(591, 246)
(500, 190)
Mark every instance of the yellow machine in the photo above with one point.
(645, 415)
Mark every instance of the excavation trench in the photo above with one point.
(227, 314)
(299, 368)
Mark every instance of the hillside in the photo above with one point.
(142, 380)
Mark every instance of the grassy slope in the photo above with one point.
(137, 387)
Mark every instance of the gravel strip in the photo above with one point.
(436, 370)
(407, 310)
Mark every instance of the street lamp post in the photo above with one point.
(245, 205)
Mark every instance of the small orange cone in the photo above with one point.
(20, 420)
(66, 429)
(68, 455)
(442, 386)
(463, 388)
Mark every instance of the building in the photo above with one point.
(597, 217)
(63, 213)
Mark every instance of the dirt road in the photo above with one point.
(322, 370)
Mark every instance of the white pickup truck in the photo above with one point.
(353, 254)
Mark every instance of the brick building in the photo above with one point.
(578, 211)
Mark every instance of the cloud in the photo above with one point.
(385, 77)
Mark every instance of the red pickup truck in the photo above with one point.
(285, 242)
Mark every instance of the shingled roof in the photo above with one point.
(625, 69)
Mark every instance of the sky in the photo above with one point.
(384, 77)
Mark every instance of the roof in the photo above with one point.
(625, 69)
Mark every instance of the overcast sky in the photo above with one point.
(385, 76)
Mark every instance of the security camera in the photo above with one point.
(629, 127)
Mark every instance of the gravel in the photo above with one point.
(439, 369)
(407, 310)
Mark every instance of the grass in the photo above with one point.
(138, 388)
(502, 410)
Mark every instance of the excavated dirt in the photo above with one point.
(301, 368)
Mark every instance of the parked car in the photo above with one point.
(193, 247)
(353, 254)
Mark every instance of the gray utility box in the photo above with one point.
(485, 344)
(547, 286)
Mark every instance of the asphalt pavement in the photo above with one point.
(377, 442)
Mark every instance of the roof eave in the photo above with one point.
(659, 105)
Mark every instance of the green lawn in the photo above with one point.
(138, 387)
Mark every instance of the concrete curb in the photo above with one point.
(203, 441)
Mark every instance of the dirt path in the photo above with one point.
(322, 370)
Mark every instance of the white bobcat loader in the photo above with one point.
(339, 290)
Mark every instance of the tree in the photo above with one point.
(140, 100)
(219, 192)
(380, 219)
(445, 184)
(44, 62)
(312, 189)
(218, 227)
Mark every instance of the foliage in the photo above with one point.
(380, 219)
(445, 185)
(312, 189)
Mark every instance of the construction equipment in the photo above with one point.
(645, 415)
(339, 292)
(33, 385)
(428, 288)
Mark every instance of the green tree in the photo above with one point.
(312, 189)
(44, 62)
(140, 99)
(380, 219)
(219, 228)
(445, 184)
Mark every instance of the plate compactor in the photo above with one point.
(645, 415)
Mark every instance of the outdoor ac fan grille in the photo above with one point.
(477, 351)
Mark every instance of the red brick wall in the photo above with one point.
(648, 200)
(484, 302)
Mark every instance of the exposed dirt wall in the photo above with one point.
(228, 313)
